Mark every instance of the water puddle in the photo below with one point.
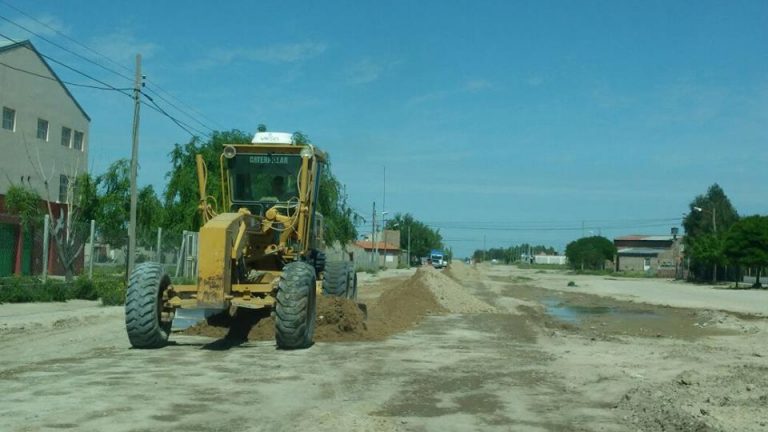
(186, 318)
(576, 313)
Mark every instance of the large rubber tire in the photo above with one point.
(336, 279)
(144, 306)
(296, 307)
(351, 281)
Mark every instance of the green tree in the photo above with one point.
(26, 204)
(423, 238)
(746, 244)
(709, 218)
(590, 252)
(181, 198)
(513, 253)
(113, 196)
(332, 203)
(149, 215)
(86, 197)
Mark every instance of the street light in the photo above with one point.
(713, 211)
(397, 225)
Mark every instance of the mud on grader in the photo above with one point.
(264, 250)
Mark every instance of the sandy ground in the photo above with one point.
(506, 350)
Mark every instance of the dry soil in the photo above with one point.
(470, 348)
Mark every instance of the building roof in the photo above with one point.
(643, 237)
(27, 44)
(369, 245)
(639, 251)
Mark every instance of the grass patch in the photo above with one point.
(111, 290)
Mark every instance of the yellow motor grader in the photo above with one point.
(264, 250)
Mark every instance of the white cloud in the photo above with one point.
(275, 54)
(470, 86)
(122, 47)
(477, 85)
(535, 81)
(50, 25)
(368, 70)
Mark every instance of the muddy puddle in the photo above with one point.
(575, 314)
(604, 317)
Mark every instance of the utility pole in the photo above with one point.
(373, 233)
(714, 231)
(409, 245)
(484, 248)
(134, 166)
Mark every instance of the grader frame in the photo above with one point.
(259, 252)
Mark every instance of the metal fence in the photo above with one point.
(54, 248)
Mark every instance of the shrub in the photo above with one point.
(31, 289)
(111, 290)
(84, 289)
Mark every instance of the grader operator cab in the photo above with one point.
(263, 250)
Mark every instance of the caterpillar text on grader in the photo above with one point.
(265, 249)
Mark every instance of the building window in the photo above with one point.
(9, 119)
(78, 143)
(42, 129)
(66, 137)
(63, 188)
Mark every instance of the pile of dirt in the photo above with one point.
(449, 293)
(463, 272)
(401, 306)
(700, 402)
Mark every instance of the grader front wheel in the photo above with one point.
(147, 325)
(296, 306)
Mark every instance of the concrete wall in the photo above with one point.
(33, 98)
(661, 265)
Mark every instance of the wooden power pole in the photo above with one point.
(134, 166)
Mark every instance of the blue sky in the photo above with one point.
(517, 121)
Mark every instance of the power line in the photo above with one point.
(91, 50)
(49, 58)
(62, 47)
(178, 109)
(178, 122)
(106, 86)
(35, 74)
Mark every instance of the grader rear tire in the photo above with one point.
(336, 279)
(144, 307)
(296, 307)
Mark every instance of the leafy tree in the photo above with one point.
(512, 253)
(746, 244)
(149, 215)
(710, 215)
(86, 197)
(24, 203)
(113, 191)
(590, 252)
(181, 198)
(423, 238)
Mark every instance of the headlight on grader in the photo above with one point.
(229, 152)
(307, 152)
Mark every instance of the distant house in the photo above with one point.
(384, 252)
(657, 255)
(44, 145)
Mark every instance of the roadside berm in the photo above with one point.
(401, 306)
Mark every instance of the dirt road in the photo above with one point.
(499, 349)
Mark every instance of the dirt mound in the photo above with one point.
(401, 306)
(702, 402)
(449, 293)
(462, 272)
